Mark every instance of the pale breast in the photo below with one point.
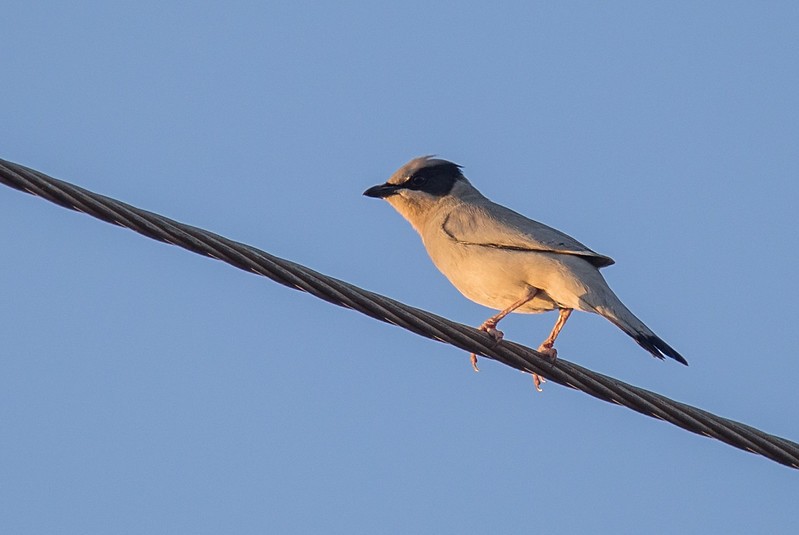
(490, 276)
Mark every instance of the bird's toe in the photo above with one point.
(473, 359)
(548, 351)
(492, 331)
(537, 380)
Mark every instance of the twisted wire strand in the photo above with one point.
(388, 310)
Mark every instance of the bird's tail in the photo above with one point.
(620, 315)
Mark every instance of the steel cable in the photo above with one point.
(388, 310)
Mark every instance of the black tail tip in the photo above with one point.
(659, 348)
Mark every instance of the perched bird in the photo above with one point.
(500, 259)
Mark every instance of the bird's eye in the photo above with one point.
(418, 180)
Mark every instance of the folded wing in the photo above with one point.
(496, 226)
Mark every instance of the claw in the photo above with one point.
(547, 350)
(473, 358)
(490, 328)
(537, 381)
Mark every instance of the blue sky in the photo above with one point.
(144, 389)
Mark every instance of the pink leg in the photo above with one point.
(547, 346)
(490, 325)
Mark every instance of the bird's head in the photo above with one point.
(417, 187)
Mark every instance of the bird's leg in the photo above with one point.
(490, 325)
(547, 347)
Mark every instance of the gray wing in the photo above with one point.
(493, 225)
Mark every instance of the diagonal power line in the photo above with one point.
(388, 310)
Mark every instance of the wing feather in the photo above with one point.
(496, 226)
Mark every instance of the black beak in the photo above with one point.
(382, 191)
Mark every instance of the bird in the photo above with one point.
(503, 260)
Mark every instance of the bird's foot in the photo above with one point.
(473, 358)
(489, 327)
(547, 350)
(537, 380)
